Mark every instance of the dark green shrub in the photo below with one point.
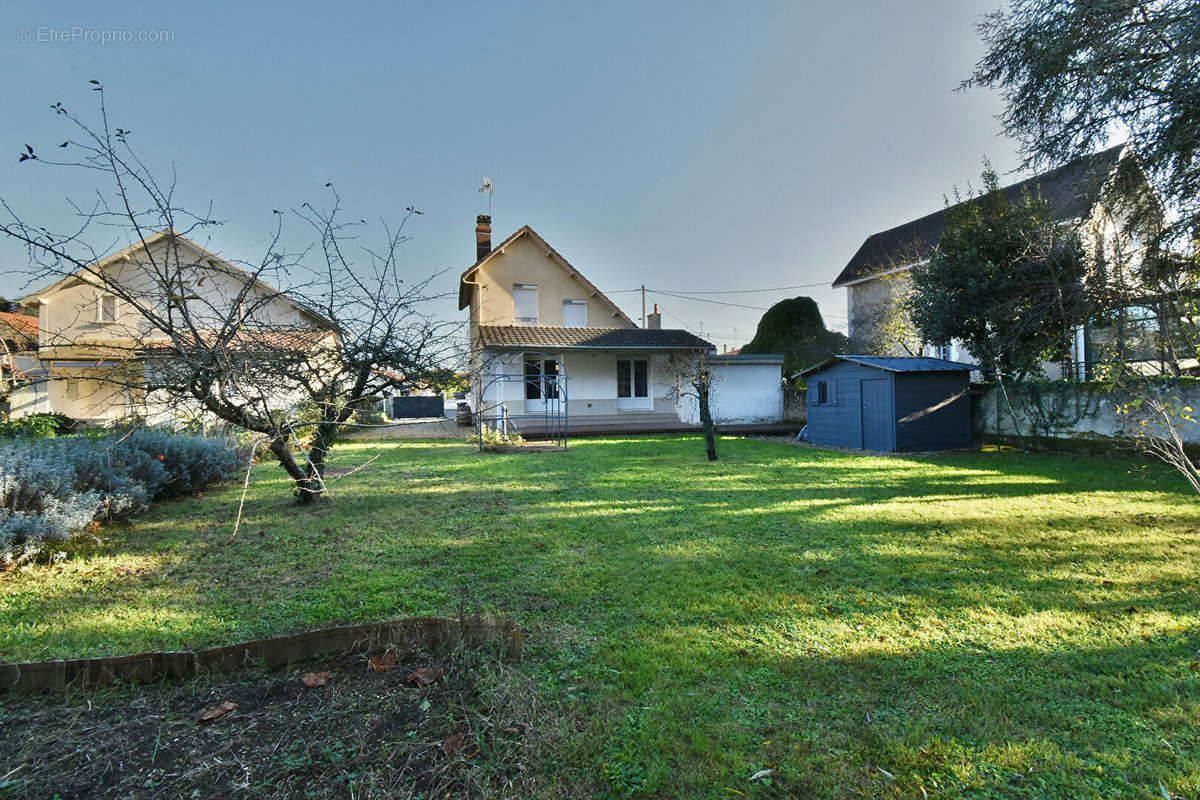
(38, 426)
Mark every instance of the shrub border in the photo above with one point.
(61, 675)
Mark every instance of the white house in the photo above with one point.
(547, 346)
(95, 349)
(1096, 193)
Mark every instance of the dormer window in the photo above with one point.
(525, 304)
(106, 309)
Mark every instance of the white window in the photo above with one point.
(106, 308)
(575, 313)
(945, 352)
(525, 304)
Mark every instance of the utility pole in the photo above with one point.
(643, 305)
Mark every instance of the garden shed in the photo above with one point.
(889, 403)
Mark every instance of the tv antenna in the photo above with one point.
(489, 188)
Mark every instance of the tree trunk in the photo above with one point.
(710, 430)
(308, 484)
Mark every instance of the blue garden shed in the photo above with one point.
(889, 403)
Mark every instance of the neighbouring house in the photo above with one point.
(23, 389)
(1099, 193)
(95, 349)
(548, 349)
(889, 403)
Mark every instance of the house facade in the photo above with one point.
(23, 388)
(545, 343)
(95, 340)
(1100, 194)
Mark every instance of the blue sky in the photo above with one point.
(688, 146)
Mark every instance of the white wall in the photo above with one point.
(591, 382)
(748, 392)
(745, 390)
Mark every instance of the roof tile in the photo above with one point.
(557, 338)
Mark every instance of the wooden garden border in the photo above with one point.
(278, 651)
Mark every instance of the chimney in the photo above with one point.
(654, 321)
(483, 236)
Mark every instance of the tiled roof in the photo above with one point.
(898, 364)
(22, 324)
(1071, 191)
(506, 337)
(253, 339)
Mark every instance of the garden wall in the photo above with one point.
(1058, 410)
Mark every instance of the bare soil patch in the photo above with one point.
(385, 725)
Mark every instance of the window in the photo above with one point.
(106, 308)
(72, 389)
(822, 394)
(575, 313)
(633, 378)
(525, 304)
(945, 352)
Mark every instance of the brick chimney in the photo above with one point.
(483, 236)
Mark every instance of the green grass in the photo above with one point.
(984, 625)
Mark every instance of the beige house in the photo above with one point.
(1097, 193)
(547, 346)
(95, 345)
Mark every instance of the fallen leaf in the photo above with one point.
(383, 663)
(423, 676)
(314, 679)
(214, 711)
(762, 773)
(452, 744)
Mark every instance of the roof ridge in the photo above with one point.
(879, 248)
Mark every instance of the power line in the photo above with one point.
(721, 291)
(702, 300)
(742, 291)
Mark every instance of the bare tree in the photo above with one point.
(288, 345)
(693, 378)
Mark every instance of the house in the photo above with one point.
(1100, 193)
(96, 349)
(548, 349)
(889, 403)
(22, 379)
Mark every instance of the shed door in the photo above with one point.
(876, 415)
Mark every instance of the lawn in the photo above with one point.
(966, 625)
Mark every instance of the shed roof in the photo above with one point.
(897, 364)
(1070, 190)
(514, 337)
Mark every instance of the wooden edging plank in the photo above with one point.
(277, 651)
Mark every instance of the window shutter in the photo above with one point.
(525, 304)
(575, 313)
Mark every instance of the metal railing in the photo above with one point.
(549, 423)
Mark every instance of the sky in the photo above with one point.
(710, 147)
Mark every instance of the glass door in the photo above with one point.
(633, 385)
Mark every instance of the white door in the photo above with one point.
(633, 385)
(541, 384)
